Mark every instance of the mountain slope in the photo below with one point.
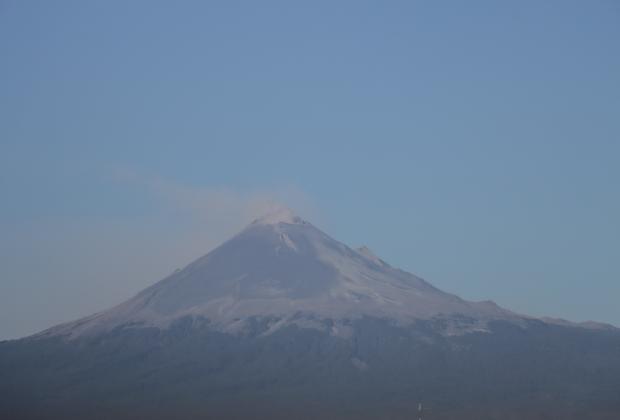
(282, 321)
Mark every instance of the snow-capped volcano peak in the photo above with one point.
(278, 215)
(281, 267)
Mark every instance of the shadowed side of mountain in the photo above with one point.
(381, 370)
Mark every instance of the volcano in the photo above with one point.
(282, 321)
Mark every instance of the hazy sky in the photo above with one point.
(476, 144)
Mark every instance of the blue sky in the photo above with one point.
(476, 144)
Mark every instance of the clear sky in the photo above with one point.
(476, 144)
